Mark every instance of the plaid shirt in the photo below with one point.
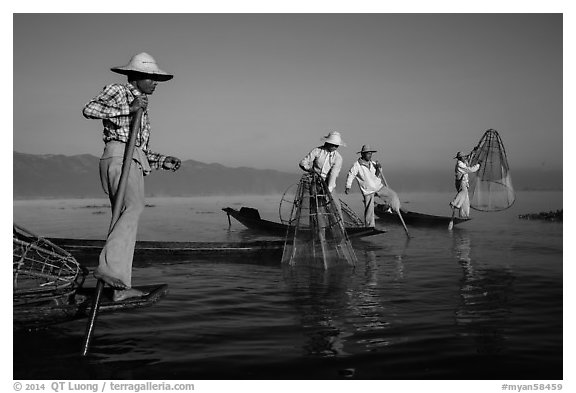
(112, 105)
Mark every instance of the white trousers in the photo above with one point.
(462, 201)
(369, 219)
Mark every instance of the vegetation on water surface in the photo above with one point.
(547, 216)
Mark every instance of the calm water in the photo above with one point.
(484, 301)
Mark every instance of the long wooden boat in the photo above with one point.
(250, 218)
(87, 251)
(78, 305)
(414, 218)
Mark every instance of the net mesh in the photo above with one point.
(41, 270)
(318, 238)
(351, 219)
(491, 189)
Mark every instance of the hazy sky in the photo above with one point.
(260, 90)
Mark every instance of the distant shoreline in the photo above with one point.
(58, 176)
(239, 195)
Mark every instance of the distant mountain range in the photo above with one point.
(59, 176)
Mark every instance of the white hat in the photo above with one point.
(144, 64)
(334, 138)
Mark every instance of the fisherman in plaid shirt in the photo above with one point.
(115, 106)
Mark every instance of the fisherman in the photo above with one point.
(369, 176)
(461, 170)
(115, 106)
(325, 160)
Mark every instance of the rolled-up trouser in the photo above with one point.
(116, 256)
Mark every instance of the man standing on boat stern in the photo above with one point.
(462, 201)
(115, 106)
(368, 175)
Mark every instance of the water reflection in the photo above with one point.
(343, 310)
(485, 294)
(320, 298)
(114, 358)
(371, 312)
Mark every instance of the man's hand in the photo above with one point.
(139, 102)
(378, 167)
(172, 163)
(346, 191)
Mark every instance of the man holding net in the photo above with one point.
(462, 201)
(325, 160)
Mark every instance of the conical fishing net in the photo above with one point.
(491, 189)
(42, 270)
(351, 219)
(318, 238)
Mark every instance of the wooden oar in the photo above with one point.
(399, 214)
(116, 210)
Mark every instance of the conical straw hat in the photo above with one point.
(334, 138)
(366, 149)
(144, 64)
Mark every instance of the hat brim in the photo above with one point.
(333, 143)
(367, 151)
(153, 76)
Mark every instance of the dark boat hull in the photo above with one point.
(79, 305)
(87, 251)
(415, 219)
(250, 218)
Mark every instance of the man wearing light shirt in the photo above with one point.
(367, 173)
(325, 160)
(461, 170)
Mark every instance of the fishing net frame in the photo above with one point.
(492, 189)
(287, 200)
(351, 219)
(319, 238)
(42, 271)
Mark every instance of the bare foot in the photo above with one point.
(112, 281)
(127, 294)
